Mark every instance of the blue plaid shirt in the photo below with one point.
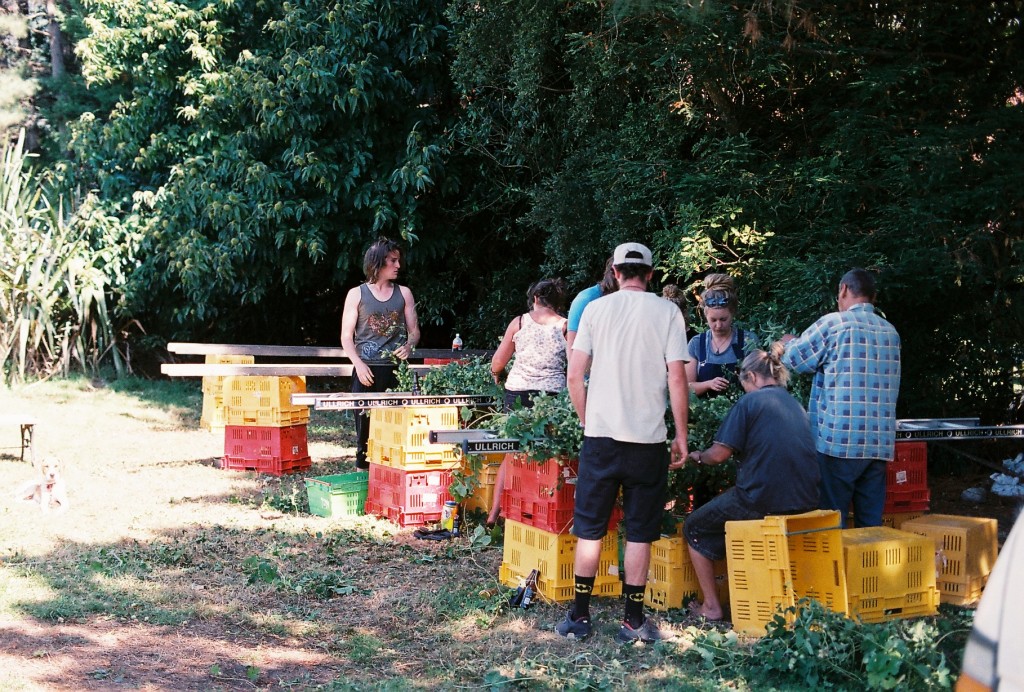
(855, 358)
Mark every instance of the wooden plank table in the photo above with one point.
(274, 369)
(186, 348)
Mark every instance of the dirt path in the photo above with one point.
(104, 653)
(137, 473)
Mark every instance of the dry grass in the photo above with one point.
(169, 573)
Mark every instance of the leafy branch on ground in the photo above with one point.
(825, 649)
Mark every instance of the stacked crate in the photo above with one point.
(540, 494)
(889, 574)
(263, 430)
(409, 476)
(213, 392)
(966, 549)
(906, 483)
(538, 502)
(775, 561)
(483, 496)
(671, 579)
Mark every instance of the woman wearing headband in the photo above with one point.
(716, 352)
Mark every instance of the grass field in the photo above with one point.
(167, 573)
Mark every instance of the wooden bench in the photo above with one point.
(27, 424)
(335, 369)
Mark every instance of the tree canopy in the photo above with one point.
(259, 145)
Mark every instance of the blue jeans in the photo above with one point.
(857, 481)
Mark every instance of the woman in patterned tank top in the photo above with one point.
(537, 339)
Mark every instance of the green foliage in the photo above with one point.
(263, 144)
(55, 277)
(704, 481)
(823, 649)
(550, 429)
(466, 376)
(781, 144)
(260, 144)
(308, 583)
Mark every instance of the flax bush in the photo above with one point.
(54, 300)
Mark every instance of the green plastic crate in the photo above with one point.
(341, 495)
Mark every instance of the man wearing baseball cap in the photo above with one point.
(633, 343)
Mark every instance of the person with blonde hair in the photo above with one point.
(716, 352)
(769, 433)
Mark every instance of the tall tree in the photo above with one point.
(263, 144)
(785, 142)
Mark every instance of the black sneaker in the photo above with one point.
(647, 632)
(574, 629)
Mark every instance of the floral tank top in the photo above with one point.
(540, 357)
(380, 326)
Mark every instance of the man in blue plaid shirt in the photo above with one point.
(855, 357)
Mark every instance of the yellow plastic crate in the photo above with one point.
(896, 520)
(263, 400)
(775, 561)
(528, 548)
(670, 578)
(966, 548)
(212, 417)
(961, 593)
(483, 497)
(400, 437)
(214, 384)
(890, 574)
(969, 545)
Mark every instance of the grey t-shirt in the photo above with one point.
(380, 326)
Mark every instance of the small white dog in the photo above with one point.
(49, 491)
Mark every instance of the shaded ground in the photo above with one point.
(104, 652)
(168, 573)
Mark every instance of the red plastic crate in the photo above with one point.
(533, 497)
(556, 518)
(909, 470)
(265, 443)
(273, 467)
(402, 518)
(540, 494)
(407, 497)
(898, 501)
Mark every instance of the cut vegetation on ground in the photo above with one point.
(170, 573)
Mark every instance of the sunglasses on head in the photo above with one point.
(716, 302)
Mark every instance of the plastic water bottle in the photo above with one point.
(457, 343)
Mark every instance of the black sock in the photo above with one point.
(584, 588)
(634, 604)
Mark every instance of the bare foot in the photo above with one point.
(703, 611)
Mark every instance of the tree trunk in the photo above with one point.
(56, 40)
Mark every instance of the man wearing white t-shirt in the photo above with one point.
(633, 343)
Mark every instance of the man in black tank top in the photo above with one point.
(378, 326)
